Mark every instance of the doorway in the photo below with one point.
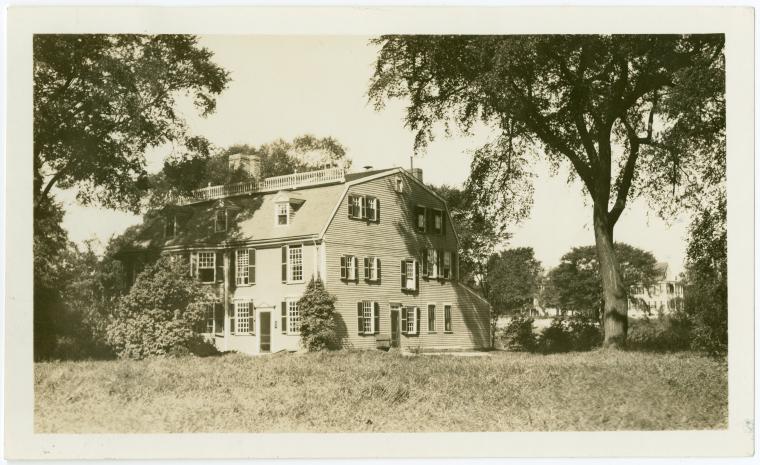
(265, 332)
(395, 327)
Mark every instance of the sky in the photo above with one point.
(286, 86)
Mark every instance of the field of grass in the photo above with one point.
(374, 391)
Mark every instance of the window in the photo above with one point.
(419, 215)
(348, 268)
(368, 317)
(372, 204)
(409, 274)
(220, 223)
(410, 317)
(437, 221)
(431, 318)
(399, 185)
(363, 207)
(368, 320)
(170, 226)
(245, 267)
(206, 266)
(282, 213)
(295, 263)
(430, 261)
(243, 317)
(371, 268)
(208, 312)
(446, 265)
(447, 318)
(294, 318)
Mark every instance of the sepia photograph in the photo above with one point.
(379, 233)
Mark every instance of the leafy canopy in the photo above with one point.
(512, 280)
(318, 318)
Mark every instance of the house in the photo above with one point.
(663, 297)
(381, 241)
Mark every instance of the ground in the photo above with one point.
(376, 391)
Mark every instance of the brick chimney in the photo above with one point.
(417, 173)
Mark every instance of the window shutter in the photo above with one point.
(366, 268)
(252, 318)
(377, 210)
(417, 323)
(284, 263)
(454, 266)
(343, 271)
(284, 317)
(219, 267)
(440, 263)
(355, 267)
(443, 223)
(416, 276)
(351, 206)
(252, 266)
(363, 201)
(360, 316)
(377, 317)
(232, 318)
(403, 320)
(377, 265)
(403, 274)
(233, 267)
(425, 270)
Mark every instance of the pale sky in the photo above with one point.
(283, 87)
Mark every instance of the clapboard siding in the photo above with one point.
(393, 239)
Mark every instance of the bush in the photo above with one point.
(160, 315)
(318, 319)
(518, 334)
(577, 333)
(665, 333)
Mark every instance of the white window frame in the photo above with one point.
(351, 267)
(399, 185)
(198, 267)
(212, 328)
(294, 316)
(446, 272)
(367, 201)
(291, 265)
(417, 227)
(432, 263)
(435, 317)
(437, 221)
(358, 209)
(216, 220)
(278, 212)
(451, 317)
(368, 312)
(243, 307)
(242, 277)
(411, 323)
(373, 276)
(411, 276)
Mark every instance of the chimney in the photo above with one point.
(417, 173)
(250, 163)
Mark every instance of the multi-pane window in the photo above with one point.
(368, 319)
(348, 267)
(356, 206)
(363, 207)
(431, 318)
(206, 266)
(437, 221)
(208, 314)
(282, 213)
(412, 314)
(432, 263)
(371, 212)
(243, 317)
(420, 218)
(399, 184)
(294, 317)
(447, 318)
(446, 265)
(295, 263)
(409, 274)
(245, 266)
(170, 227)
(371, 268)
(220, 221)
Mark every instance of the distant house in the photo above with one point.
(662, 298)
(381, 241)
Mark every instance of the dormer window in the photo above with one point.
(220, 221)
(282, 213)
(170, 226)
(399, 185)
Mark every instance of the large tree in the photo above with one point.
(575, 284)
(630, 114)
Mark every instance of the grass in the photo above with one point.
(375, 391)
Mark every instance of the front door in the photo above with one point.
(265, 332)
(395, 333)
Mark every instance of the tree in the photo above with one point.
(318, 320)
(631, 115)
(162, 314)
(478, 236)
(575, 284)
(101, 100)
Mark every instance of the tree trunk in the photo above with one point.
(615, 318)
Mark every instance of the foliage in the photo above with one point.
(478, 235)
(665, 333)
(633, 115)
(706, 289)
(512, 280)
(161, 314)
(575, 284)
(318, 319)
(576, 333)
(101, 100)
(518, 334)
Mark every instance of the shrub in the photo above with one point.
(665, 333)
(577, 333)
(518, 334)
(318, 319)
(160, 315)
(585, 333)
(555, 338)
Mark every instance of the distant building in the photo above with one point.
(662, 298)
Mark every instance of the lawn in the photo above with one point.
(375, 391)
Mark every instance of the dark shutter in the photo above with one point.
(343, 270)
(360, 316)
(403, 274)
(377, 210)
(284, 316)
(232, 318)
(377, 317)
(377, 264)
(425, 270)
(366, 268)
(351, 213)
(284, 263)
(417, 315)
(454, 266)
(219, 267)
(252, 318)
(233, 266)
(417, 278)
(440, 262)
(363, 201)
(355, 267)
(403, 320)
(252, 266)
(443, 223)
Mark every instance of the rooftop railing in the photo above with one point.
(275, 183)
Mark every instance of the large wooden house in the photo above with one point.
(380, 240)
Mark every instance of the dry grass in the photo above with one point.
(374, 391)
